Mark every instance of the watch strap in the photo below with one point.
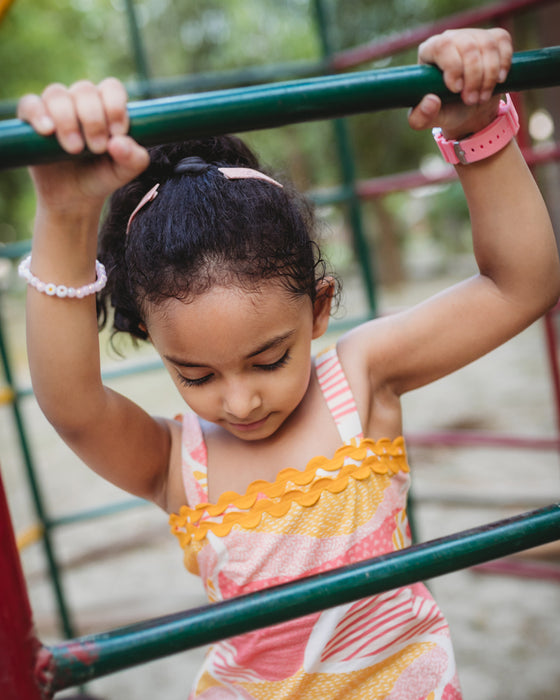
(484, 143)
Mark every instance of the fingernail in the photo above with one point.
(428, 103)
(459, 84)
(74, 142)
(471, 98)
(502, 75)
(98, 145)
(118, 129)
(45, 124)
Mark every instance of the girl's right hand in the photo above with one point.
(83, 116)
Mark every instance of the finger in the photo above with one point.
(91, 115)
(425, 114)
(60, 108)
(491, 63)
(442, 52)
(478, 58)
(128, 157)
(505, 49)
(473, 48)
(31, 109)
(487, 62)
(114, 96)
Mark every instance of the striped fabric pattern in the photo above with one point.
(338, 395)
(391, 646)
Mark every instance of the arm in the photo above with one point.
(514, 245)
(111, 434)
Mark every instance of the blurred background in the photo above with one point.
(394, 225)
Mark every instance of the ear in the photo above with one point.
(322, 306)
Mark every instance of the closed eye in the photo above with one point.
(276, 365)
(199, 381)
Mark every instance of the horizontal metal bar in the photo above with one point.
(73, 662)
(94, 513)
(277, 104)
(15, 250)
(474, 438)
(219, 80)
(215, 80)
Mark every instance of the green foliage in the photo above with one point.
(358, 21)
(57, 41)
(66, 40)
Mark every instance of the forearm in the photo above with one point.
(62, 340)
(513, 239)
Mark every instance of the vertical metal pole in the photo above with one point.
(552, 352)
(18, 644)
(138, 51)
(65, 623)
(348, 172)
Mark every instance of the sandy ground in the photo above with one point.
(126, 567)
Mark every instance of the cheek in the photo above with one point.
(196, 397)
(292, 388)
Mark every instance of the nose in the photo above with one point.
(241, 399)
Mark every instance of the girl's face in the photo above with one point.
(240, 360)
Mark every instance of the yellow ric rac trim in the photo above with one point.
(384, 457)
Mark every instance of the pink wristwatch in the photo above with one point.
(484, 143)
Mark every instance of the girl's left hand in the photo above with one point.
(473, 62)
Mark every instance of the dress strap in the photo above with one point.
(338, 394)
(194, 460)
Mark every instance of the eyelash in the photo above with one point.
(276, 365)
(282, 362)
(185, 381)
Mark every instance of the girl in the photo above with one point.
(211, 261)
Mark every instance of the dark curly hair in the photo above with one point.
(202, 229)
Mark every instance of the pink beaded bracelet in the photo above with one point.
(60, 290)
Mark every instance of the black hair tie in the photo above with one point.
(193, 165)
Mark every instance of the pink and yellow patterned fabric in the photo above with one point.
(336, 511)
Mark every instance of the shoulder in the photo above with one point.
(364, 351)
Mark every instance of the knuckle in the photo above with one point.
(446, 40)
(112, 83)
(29, 104)
(54, 91)
(81, 87)
(114, 95)
(501, 34)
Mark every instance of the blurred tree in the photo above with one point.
(64, 40)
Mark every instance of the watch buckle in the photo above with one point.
(460, 153)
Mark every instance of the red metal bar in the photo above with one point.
(380, 186)
(18, 644)
(516, 567)
(468, 438)
(407, 39)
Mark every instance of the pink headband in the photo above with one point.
(229, 173)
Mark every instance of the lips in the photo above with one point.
(248, 427)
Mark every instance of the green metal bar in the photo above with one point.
(138, 50)
(243, 77)
(13, 251)
(67, 664)
(277, 104)
(348, 172)
(65, 622)
(217, 80)
(100, 512)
